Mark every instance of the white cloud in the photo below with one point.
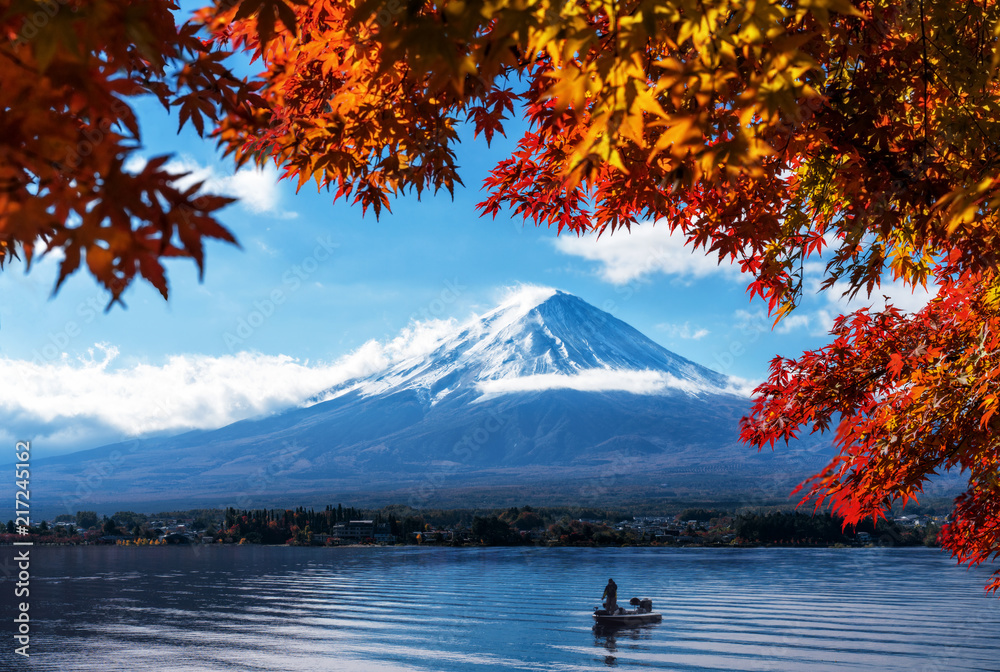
(523, 297)
(43, 253)
(758, 321)
(418, 338)
(265, 248)
(626, 256)
(684, 331)
(793, 322)
(822, 322)
(134, 164)
(75, 403)
(817, 323)
(904, 298)
(817, 312)
(256, 188)
(596, 380)
(754, 321)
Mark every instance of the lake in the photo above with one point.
(287, 609)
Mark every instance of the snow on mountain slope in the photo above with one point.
(542, 338)
(464, 412)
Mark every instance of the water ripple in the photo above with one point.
(413, 610)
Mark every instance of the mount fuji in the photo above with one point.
(544, 399)
(541, 339)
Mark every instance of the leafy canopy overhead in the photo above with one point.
(69, 71)
(767, 132)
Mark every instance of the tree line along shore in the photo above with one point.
(514, 526)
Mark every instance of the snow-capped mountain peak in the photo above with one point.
(541, 338)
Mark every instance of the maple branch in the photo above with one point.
(10, 56)
(926, 77)
(973, 115)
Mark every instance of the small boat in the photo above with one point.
(641, 613)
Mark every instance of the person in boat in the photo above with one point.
(611, 593)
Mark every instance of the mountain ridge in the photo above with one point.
(561, 335)
(544, 391)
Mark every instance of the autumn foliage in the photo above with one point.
(69, 73)
(859, 134)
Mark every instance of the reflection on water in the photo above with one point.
(267, 609)
(607, 637)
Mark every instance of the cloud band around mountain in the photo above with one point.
(599, 380)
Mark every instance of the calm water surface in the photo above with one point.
(279, 609)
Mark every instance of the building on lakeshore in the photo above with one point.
(356, 531)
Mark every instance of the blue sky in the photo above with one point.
(222, 349)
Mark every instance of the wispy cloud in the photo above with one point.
(624, 257)
(685, 331)
(647, 250)
(905, 298)
(794, 322)
(256, 188)
(816, 315)
(816, 323)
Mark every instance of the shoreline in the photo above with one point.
(478, 546)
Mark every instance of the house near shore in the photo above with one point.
(357, 531)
